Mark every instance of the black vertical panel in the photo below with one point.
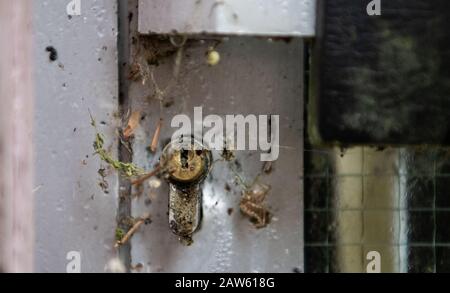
(382, 79)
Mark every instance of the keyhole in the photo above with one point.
(184, 158)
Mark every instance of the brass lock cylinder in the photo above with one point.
(187, 163)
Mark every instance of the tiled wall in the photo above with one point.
(395, 201)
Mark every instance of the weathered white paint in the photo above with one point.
(72, 212)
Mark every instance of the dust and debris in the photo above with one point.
(267, 167)
(102, 172)
(186, 240)
(238, 165)
(230, 211)
(127, 222)
(286, 40)
(253, 205)
(135, 72)
(150, 51)
(126, 144)
(165, 142)
(53, 53)
(138, 191)
(137, 268)
(228, 155)
(103, 183)
(168, 103)
(252, 202)
(227, 187)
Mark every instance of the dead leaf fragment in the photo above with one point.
(133, 123)
(155, 139)
(253, 205)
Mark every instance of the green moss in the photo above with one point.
(125, 169)
(120, 233)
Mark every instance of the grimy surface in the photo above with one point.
(382, 79)
(255, 76)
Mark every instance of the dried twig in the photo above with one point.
(146, 177)
(131, 232)
(155, 139)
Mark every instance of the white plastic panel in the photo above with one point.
(249, 17)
